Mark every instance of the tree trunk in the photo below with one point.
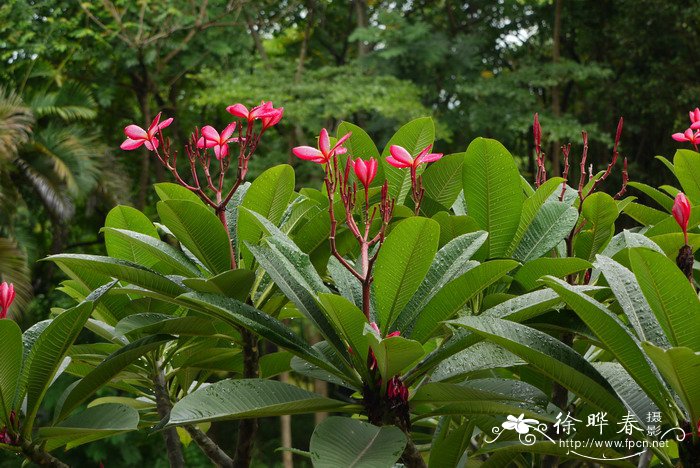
(556, 91)
(361, 14)
(247, 428)
(163, 406)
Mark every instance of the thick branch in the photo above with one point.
(209, 447)
(163, 406)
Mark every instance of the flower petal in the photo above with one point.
(130, 144)
(400, 154)
(679, 137)
(324, 142)
(239, 110)
(432, 157)
(308, 153)
(154, 124)
(228, 131)
(165, 123)
(210, 133)
(396, 163)
(135, 132)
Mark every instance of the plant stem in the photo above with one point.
(209, 447)
(41, 457)
(163, 406)
(411, 457)
(247, 428)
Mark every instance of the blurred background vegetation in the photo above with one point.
(74, 74)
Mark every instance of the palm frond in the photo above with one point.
(52, 195)
(70, 102)
(16, 122)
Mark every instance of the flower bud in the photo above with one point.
(7, 295)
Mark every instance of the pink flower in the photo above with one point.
(689, 136)
(681, 211)
(7, 295)
(694, 118)
(365, 171)
(324, 153)
(211, 139)
(397, 390)
(401, 158)
(262, 111)
(137, 136)
(272, 120)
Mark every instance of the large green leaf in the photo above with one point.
(393, 354)
(48, 353)
(191, 325)
(10, 365)
(449, 263)
(350, 323)
(453, 296)
(247, 398)
(414, 136)
(629, 295)
(658, 196)
(108, 369)
(687, 172)
(448, 444)
(531, 206)
(149, 252)
(232, 283)
(529, 274)
(170, 191)
(122, 270)
(670, 296)
(616, 338)
(482, 356)
(126, 217)
(601, 212)
(293, 273)
(92, 424)
(351, 443)
(493, 193)
(681, 369)
(550, 357)
(239, 314)
(268, 195)
(198, 229)
(442, 180)
(402, 264)
(552, 223)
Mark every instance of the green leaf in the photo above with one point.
(670, 296)
(122, 270)
(455, 295)
(493, 192)
(529, 274)
(629, 295)
(414, 137)
(350, 323)
(448, 447)
(170, 191)
(403, 261)
(200, 231)
(239, 314)
(681, 369)
(351, 443)
(150, 324)
(550, 357)
(599, 210)
(10, 365)
(453, 226)
(532, 205)
(393, 354)
(107, 370)
(126, 217)
(442, 180)
(552, 223)
(687, 172)
(247, 398)
(451, 262)
(482, 356)
(232, 283)
(658, 196)
(268, 195)
(48, 353)
(615, 337)
(90, 425)
(149, 252)
(671, 243)
(293, 273)
(643, 214)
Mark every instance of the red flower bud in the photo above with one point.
(7, 295)
(681, 211)
(365, 171)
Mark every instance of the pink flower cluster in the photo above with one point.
(692, 133)
(7, 295)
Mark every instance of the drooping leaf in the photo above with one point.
(601, 212)
(351, 443)
(529, 274)
(552, 223)
(10, 366)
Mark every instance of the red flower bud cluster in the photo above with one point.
(7, 295)
(397, 390)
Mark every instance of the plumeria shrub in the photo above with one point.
(457, 312)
